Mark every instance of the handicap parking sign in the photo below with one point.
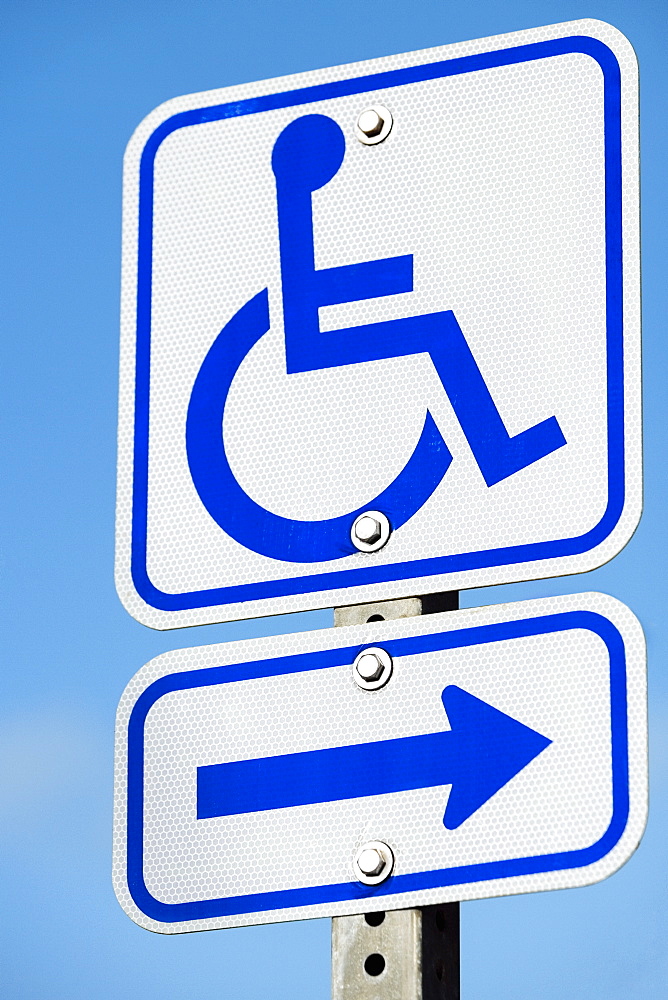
(381, 330)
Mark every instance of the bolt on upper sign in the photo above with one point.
(381, 330)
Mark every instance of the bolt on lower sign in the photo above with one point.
(382, 766)
(380, 330)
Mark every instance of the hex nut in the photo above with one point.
(374, 125)
(370, 531)
(369, 667)
(367, 529)
(372, 668)
(373, 863)
(370, 122)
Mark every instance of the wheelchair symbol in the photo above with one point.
(306, 156)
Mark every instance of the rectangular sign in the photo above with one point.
(380, 331)
(487, 752)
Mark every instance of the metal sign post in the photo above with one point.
(400, 954)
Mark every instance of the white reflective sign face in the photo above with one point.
(506, 753)
(441, 327)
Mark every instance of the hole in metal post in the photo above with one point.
(374, 964)
(375, 618)
(375, 919)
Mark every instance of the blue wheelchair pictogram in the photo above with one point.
(306, 156)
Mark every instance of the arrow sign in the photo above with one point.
(481, 752)
(265, 698)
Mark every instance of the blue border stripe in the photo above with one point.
(341, 579)
(507, 868)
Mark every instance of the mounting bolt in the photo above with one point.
(370, 531)
(373, 863)
(372, 668)
(370, 123)
(374, 125)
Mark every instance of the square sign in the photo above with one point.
(381, 330)
(499, 750)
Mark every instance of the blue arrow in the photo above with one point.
(481, 752)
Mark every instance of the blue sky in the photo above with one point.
(76, 79)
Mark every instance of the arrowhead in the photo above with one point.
(491, 749)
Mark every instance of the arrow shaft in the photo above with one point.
(350, 772)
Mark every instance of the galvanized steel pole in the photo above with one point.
(397, 954)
